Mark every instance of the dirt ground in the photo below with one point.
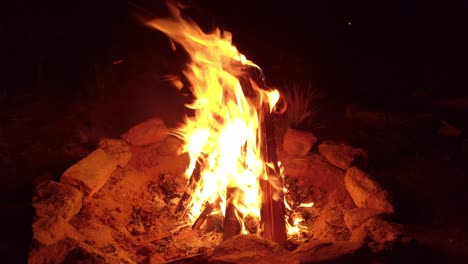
(42, 135)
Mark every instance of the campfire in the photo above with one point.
(233, 169)
(222, 185)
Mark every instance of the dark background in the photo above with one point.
(57, 56)
(391, 47)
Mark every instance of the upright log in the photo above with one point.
(273, 210)
(231, 225)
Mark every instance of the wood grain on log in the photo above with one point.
(193, 181)
(273, 210)
(231, 225)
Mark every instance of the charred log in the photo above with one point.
(231, 225)
(201, 219)
(193, 181)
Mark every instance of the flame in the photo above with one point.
(223, 136)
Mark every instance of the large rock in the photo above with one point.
(72, 251)
(354, 218)
(328, 252)
(55, 205)
(379, 234)
(297, 142)
(146, 133)
(91, 173)
(54, 253)
(250, 249)
(330, 225)
(118, 149)
(173, 145)
(366, 192)
(341, 155)
(314, 170)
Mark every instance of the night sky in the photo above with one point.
(379, 48)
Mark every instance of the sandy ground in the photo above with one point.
(43, 133)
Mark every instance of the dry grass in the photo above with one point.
(301, 109)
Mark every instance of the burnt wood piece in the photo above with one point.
(193, 181)
(273, 210)
(231, 225)
(201, 219)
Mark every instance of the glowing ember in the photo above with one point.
(224, 134)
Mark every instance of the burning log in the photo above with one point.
(233, 126)
(273, 210)
(194, 179)
(231, 225)
(201, 219)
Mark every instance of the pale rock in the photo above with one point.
(381, 201)
(298, 142)
(354, 218)
(146, 133)
(71, 250)
(379, 234)
(54, 253)
(55, 205)
(341, 155)
(91, 173)
(118, 149)
(332, 252)
(366, 192)
(330, 225)
(250, 249)
(314, 170)
(173, 145)
(49, 230)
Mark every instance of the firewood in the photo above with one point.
(231, 225)
(201, 219)
(273, 210)
(193, 181)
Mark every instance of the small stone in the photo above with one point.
(55, 205)
(136, 229)
(381, 201)
(109, 248)
(314, 170)
(54, 253)
(297, 142)
(56, 199)
(118, 149)
(86, 254)
(341, 155)
(90, 173)
(366, 192)
(173, 145)
(243, 249)
(328, 252)
(146, 133)
(379, 234)
(354, 218)
(330, 225)
(147, 250)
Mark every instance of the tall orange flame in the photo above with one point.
(224, 133)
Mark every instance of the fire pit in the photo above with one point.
(220, 188)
